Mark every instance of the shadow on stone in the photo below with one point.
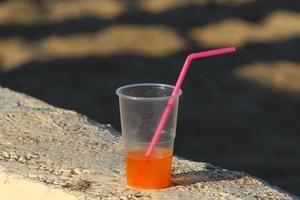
(206, 175)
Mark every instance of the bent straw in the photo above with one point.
(168, 109)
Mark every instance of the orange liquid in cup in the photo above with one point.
(153, 172)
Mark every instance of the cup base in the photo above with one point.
(142, 188)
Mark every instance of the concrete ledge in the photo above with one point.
(46, 150)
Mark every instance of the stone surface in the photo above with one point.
(66, 151)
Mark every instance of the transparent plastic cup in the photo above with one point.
(141, 107)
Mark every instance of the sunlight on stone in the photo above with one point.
(13, 188)
(21, 12)
(157, 6)
(106, 9)
(123, 39)
(282, 75)
(153, 41)
(28, 12)
(278, 26)
(14, 52)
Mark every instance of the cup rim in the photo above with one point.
(120, 94)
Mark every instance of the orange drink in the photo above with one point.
(152, 172)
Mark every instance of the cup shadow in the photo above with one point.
(207, 174)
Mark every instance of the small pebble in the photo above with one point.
(5, 154)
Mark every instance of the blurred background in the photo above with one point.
(238, 111)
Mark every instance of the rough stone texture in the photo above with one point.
(67, 151)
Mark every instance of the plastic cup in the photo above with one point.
(141, 108)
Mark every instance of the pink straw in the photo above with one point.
(168, 109)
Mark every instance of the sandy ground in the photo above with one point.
(238, 111)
